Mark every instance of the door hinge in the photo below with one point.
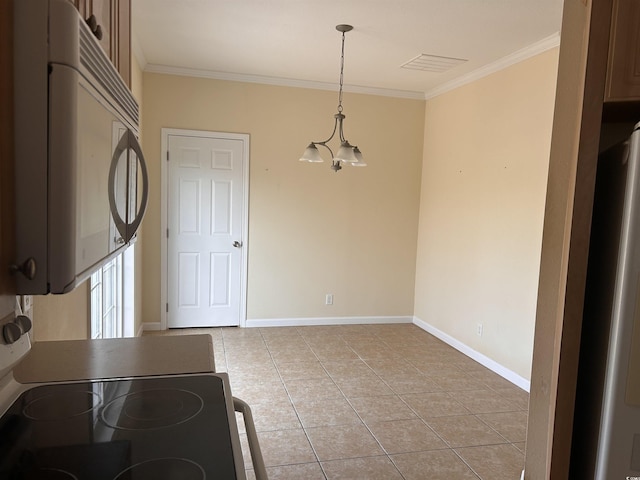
(167, 233)
(167, 308)
(167, 155)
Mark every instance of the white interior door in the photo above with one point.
(205, 230)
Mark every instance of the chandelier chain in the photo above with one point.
(341, 75)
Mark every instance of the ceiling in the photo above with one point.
(294, 42)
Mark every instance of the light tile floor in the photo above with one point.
(371, 402)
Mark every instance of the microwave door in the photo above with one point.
(94, 144)
(100, 131)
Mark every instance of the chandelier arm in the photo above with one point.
(339, 120)
(335, 126)
(325, 146)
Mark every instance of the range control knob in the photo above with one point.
(24, 323)
(11, 332)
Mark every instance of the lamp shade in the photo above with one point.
(311, 154)
(345, 153)
(360, 160)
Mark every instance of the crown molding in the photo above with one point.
(505, 62)
(282, 82)
(530, 51)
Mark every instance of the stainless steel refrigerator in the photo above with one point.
(606, 437)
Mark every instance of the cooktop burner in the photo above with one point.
(62, 405)
(175, 428)
(149, 409)
(50, 474)
(164, 468)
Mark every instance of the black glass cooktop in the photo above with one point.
(173, 428)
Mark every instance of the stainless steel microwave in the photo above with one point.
(80, 176)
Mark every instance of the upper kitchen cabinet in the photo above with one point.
(110, 21)
(623, 71)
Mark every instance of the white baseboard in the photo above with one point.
(301, 322)
(151, 326)
(477, 356)
(141, 330)
(315, 321)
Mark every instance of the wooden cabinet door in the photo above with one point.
(114, 19)
(623, 70)
(81, 5)
(123, 27)
(7, 200)
(103, 11)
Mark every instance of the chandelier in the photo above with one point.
(347, 153)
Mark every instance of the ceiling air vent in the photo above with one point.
(432, 63)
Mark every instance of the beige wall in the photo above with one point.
(62, 317)
(311, 231)
(486, 155)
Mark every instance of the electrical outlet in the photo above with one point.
(25, 303)
(479, 330)
(328, 299)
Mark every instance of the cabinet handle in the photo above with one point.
(93, 25)
(92, 22)
(28, 268)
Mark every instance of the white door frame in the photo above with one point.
(164, 214)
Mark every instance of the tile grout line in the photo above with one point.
(284, 384)
(386, 454)
(366, 361)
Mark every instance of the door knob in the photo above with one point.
(237, 244)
